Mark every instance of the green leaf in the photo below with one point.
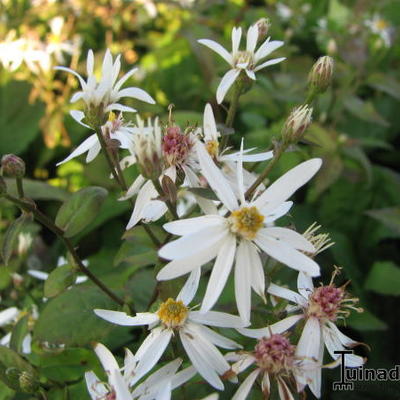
(386, 83)
(384, 278)
(59, 279)
(18, 334)
(69, 318)
(364, 110)
(80, 209)
(11, 236)
(10, 359)
(19, 120)
(390, 217)
(366, 321)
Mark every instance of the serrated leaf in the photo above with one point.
(59, 279)
(11, 236)
(18, 334)
(390, 217)
(69, 318)
(206, 193)
(80, 209)
(384, 278)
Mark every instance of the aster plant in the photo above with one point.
(213, 214)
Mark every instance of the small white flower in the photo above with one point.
(106, 92)
(320, 307)
(241, 235)
(174, 316)
(243, 60)
(382, 28)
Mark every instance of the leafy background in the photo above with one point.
(356, 196)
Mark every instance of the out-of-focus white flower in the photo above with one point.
(241, 235)
(284, 11)
(115, 128)
(106, 92)
(56, 46)
(174, 316)
(378, 25)
(320, 307)
(243, 60)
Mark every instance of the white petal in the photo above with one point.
(217, 48)
(226, 82)
(248, 157)
(106, 358)
(257, 271)
(290, 237)
(95, 388)
(287, 184)
(239, 175)
(216, 318)
(8, 315)
(287, 294)
(277, 327)
(284, 392)
(189, 245)
(278, 212)
(93, 152)
(121, 318)
(124, 78)
(134, 188)
(267, 48)
(286, 254)
(215, 178)
(90, 62)
(268, 63)
(243, 281)
(220, 272)
(76, 96)
(183, 376)
(308, 345)
(217, 339)
(120, 386)
(38, 274)
(153, 210)
(119, 107)
(71, 71)
(209, 126)
(305, 284)
(136, 93)
(245, 387)
(85, 146)
(191, 225)
(252, 37)
(236, 36)
(78, 116)
(189, 289)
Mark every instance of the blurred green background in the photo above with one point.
(356, 196)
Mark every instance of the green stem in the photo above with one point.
(20, 188)
(46, 221)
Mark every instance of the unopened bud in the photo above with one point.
(3, 186)
(169, 188)
(28, 382)
(321, 74)
(297, 123)
(13, 166)
(263, 25)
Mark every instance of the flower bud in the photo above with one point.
(13, 166)
(297, 123)
(321, 74)
(28, 382)
(263, 25)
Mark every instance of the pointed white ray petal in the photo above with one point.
(191, 225)
(85, 146)
(151, 351)
(215, 178)
(78, 116)
(189, 245)
(119, 107)
(189, 289)
(93, 152)
(217, 339)
(287, 294)
(268, 63)
(182, 266)
(287, 184)
(277, 327)
(236, 36)
(211, 44)
(153, 210)
(226, 82)
(199, 360)
(290, 237)
(134, 188)
(38, 274)
(106, 358)
(120, 386)
(71, 71)
(284, 392)
(239, 175)
(90, 62)
(241, 361)
(245, 387)
(247, 157)
(124, 78)
(217, 318)
(8, 315)
(76, 96)
(183, 376)
(267, 48)
(308, 345)
(243, 281)
(95, 388)
(278, 212)
(257, 277)
(305, 284)
(220, 272)
(286, 254)
(209, 126)
(121, 318)
(266, 383)
(250, 73)
(136, 93)
(251, 39)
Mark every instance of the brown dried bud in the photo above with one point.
(263, 25)
(297, 123)
(321, 74)
(13, 166)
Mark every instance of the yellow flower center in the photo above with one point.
(112, 116)
(381, 24)
(246, 222)
(212, 147)
(172, 313)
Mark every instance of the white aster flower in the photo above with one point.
(382, 28)
(174, 317)
(243, 60)
(241, 235)
(320, 308)
(106, 92)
